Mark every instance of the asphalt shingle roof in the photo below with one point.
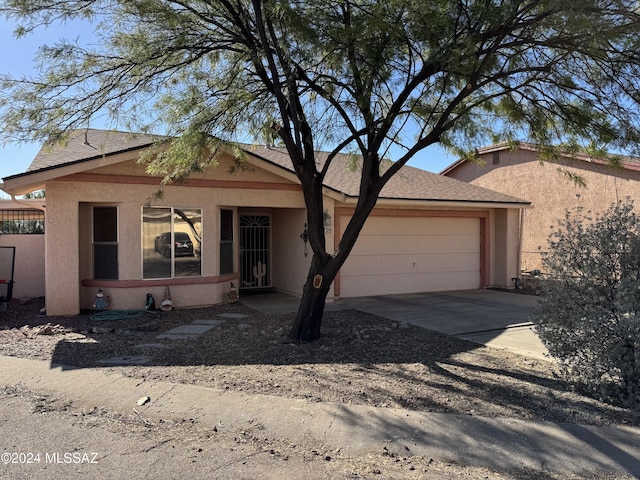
(84, 145)
(408, 184)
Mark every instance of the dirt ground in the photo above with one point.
(360, 359)
(131, 446)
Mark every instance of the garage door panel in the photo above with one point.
(393, 245)
(408, 255)
(459, 262)
(367, 245)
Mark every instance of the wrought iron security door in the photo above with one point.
(255, 257)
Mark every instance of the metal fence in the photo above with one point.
(21, 221)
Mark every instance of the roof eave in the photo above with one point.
(452, 166)
(411, 202)
(271, 167)
(288, 174)
(35, 180)
(625, 164)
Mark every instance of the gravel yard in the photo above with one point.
(360, 359)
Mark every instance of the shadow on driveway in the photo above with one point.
(494, 318)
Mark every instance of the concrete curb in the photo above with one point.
(500, 444)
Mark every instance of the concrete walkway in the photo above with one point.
(501, 444)
(493, 318)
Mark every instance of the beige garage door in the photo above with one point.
(410, 255)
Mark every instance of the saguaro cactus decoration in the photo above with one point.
(259, 272)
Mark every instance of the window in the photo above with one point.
(496, 158)
(226, 241)
(171, 242)
(105, 243)
(21, 221)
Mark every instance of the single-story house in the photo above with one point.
(549, 187)
(106, 229)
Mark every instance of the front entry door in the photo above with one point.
(255, 252)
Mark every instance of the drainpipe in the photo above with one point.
(523, 214)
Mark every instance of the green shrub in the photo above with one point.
(589, 316)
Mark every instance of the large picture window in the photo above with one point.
(171, 242)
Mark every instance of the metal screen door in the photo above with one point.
(255, 258)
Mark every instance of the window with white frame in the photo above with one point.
(171, 242)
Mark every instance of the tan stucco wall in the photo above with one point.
(70, 202)
(505, 246)
(222, 171)
(290, 266)
(29, 264)
(550, 191)
(68, 226)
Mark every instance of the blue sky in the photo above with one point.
(17, 59)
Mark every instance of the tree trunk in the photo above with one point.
(306, 326)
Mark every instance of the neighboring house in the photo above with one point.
(22, 227)
(106, 229)
(549, 187)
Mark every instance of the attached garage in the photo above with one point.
(426, 233)
(411, 254)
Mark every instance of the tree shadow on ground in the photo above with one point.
(360, 359)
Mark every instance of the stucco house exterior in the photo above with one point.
(105, 228)
(17, 219)
(549, 187)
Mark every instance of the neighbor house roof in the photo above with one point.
(85, 146)
(629, 163)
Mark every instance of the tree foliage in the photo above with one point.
(365, 76)
(589, 316)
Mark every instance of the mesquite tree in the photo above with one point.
(343, 75)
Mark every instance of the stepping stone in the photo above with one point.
(175, 336)
(190, 329)
(233, 315)
(185, 331)
(213, 323)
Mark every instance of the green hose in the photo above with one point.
(119, 314)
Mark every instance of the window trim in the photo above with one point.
(95, 243)
(227, 243)
(172, 258)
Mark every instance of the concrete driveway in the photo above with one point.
(488, 317)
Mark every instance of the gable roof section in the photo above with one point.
(628, 163)
(87, 146)
(408, 184)
(82, 150)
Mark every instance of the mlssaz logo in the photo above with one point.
(72, 458)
